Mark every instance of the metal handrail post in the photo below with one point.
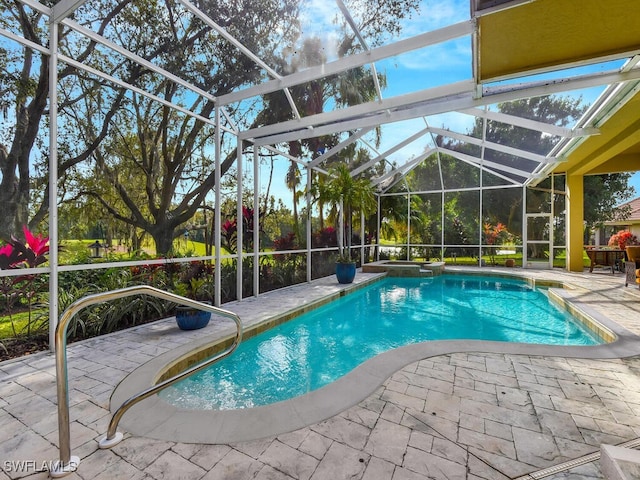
(113, 437)
(67, 464)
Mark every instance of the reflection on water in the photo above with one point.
(324, 344)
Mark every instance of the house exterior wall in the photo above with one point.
(632, 223)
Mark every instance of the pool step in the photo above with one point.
(619, 463)
(404, 268)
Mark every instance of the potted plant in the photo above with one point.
(189, 318)
(622, 238)
(348, 195)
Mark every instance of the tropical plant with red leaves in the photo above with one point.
(326, 237)
(288, 242)
(493, 234)
(229, 231)
(15, 255)
(31, 253)
(228, 234)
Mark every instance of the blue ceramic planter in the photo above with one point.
(190, 319)
(345, 272)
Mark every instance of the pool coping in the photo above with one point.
(158, 419)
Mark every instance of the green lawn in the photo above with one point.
(20, 321)
(73, 250)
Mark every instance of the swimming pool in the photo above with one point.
(320, 346)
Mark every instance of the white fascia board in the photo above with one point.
(391, 151)
(64, 8)
(496, 8)
(493, 146)
(625, 93)
(352, 61)
(479, 162)
(136, 58)
(530, 124)
(566, 147)
(534, 89)
(346, 142)
(24, 41)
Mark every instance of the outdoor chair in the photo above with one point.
(632, 273)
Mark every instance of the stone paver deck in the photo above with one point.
(461, 415)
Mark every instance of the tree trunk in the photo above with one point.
(14, 188)
(163, 238)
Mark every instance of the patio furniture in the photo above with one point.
(608, 257)
(632, 273)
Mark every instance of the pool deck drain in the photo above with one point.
(468, 415)
(572, 464)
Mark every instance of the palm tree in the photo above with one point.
(292, 180)
(350, 195)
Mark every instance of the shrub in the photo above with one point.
(622, 238)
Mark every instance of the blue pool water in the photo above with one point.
(325, 344)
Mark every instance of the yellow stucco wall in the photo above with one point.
(575, 223)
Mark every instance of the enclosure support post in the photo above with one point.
(217, 215)
(239, 221)
(551, 222)
(408, 226)
(67, 463)
(575, 222)
(309, 213)
(377, 256)
(362, 238)
(341, 242)
(525, 229)
(256, 221)
(481, 191)
(53, 183)
(442, 232)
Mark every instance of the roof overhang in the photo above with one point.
(616, 149)
(540, 35)
(526, 37)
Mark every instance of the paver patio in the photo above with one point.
(460, 415)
